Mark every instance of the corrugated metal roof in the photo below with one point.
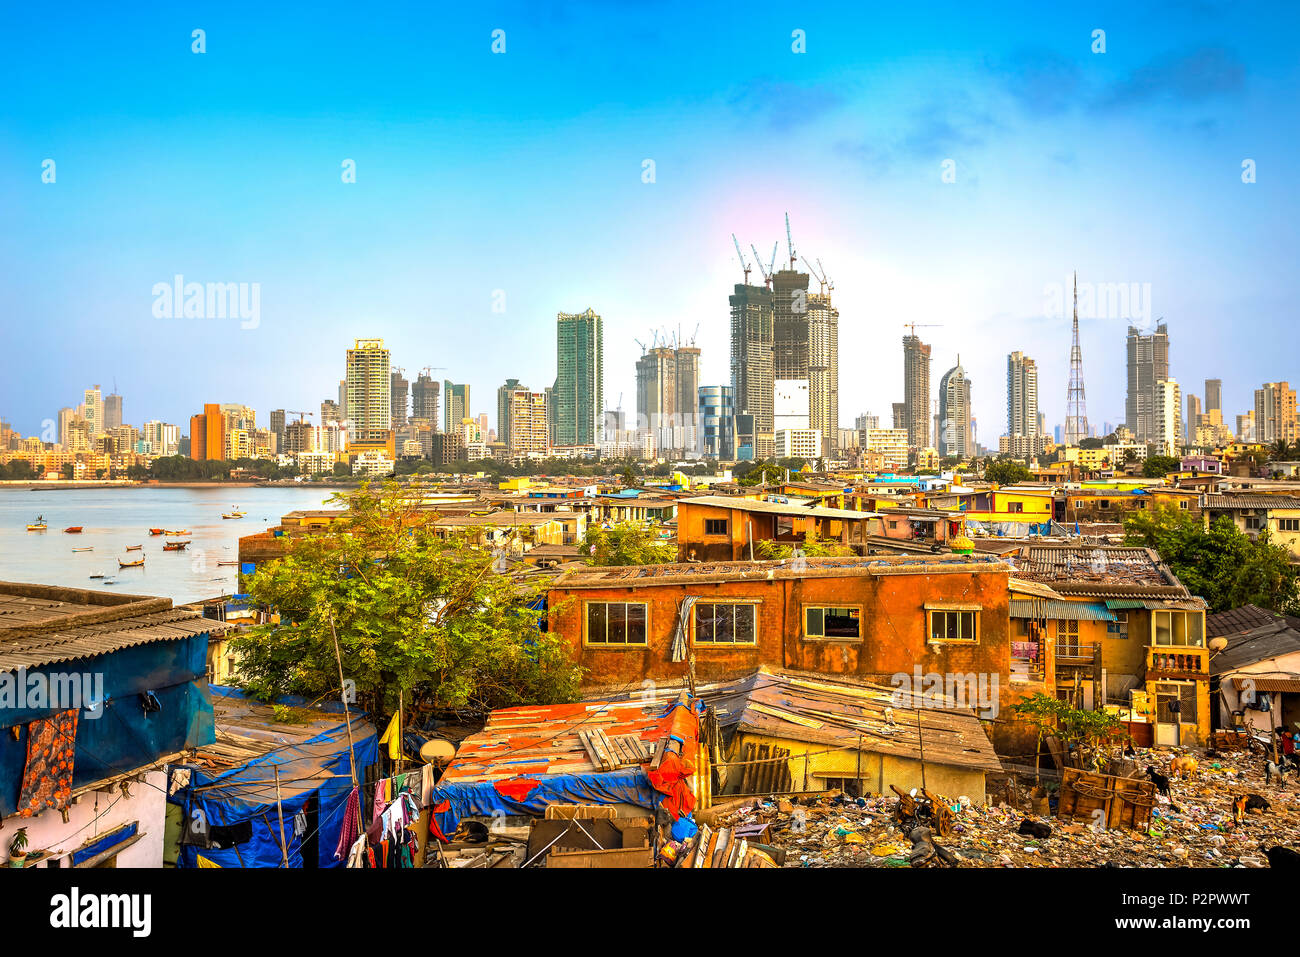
(47, 647)
(1064, 610)
(1266, 684)
(1233, 501)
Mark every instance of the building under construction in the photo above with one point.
(667, 388)
(916, 391)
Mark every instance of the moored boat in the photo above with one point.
(73, 529)
(39, 525)
(157, 531)
(138, 563)
(134, 548)
(86, 549)
(174, 546)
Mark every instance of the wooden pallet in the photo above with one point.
(620, 751)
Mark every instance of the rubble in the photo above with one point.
(1193, 827)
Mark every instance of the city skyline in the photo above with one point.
(242, 184)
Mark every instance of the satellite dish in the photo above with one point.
(437, 751)
(1218, 643)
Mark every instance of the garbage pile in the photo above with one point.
(1220, 811)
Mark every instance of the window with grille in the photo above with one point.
(616, 623)
(724, 623)
(715, 526)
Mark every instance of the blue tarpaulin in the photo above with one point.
(312, 761)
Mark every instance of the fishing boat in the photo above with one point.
(183, 531)
(157, 531)
(227, 563)
(73, 530)
(174, 546)
(138, 563)
(134, 548)
(39, 525)
(96, 576)
(87, 549)
(231, 515)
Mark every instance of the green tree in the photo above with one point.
(1220, 564)
(627, 543)
(421, 617)
(1007, 473)
(1158, 466)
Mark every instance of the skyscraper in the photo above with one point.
(277, 427)
(1193, 417)
(1167, 416)
(1148, 363)
(1076, 408)
(94, 412)
(1275, 413)
(455, 405)
(399, 392)
(424, 399)
(527, 417)
(112, 412)
(1023, 430)
(954, 413)
(580, 378)
(504, 394)
(752, 367)
(1213, 395)
(369, 395)
(667, 396)
(806, 345)
(916, 391)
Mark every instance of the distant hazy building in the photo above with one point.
(580, 378)
(667, 397)
(916, 391)
(455, 404)
(955, 414)
(1148, 363)
(112, 412)
(369, 395)
(752, 370)
(277, 428)
(899, 413)
(790, 405)
(330, 412)
(1193, 417)
(717, 428)
(1213, 395)
(866, 421)
(93, 412)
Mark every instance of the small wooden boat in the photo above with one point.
(174, 546)
(183, 531)
(89, 549)
(134, 548)
(73, 529)
(39, 525)
(138, 563)
(227, 563)
(96, 576)
(232, 515)
(157, 531)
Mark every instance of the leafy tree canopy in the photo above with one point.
(627, 543)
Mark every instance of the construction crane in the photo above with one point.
(789, 241)
(744, 265)
(819, 276)
(767, 273)
(431, 368)
(298, 414)
(921, 325)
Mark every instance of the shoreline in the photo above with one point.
(28, 486)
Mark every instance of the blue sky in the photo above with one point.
(522, 172)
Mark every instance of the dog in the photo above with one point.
(1035, 829)
(1184, 767)
(1161, 780)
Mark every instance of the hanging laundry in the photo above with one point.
(47, 776)
(351, 823)
(393, 737)
(300, 824)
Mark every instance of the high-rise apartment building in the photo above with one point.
(805, 342)
(455, 405)
(1275, 413)
(1167, 417)
(504, 394)
(955, 414)
(1213, 395)
(916, 391)
(527, 418)
(667, 397)
(208, 434)
(752, 369)
(94, 411)
(717, 422)
(580, 378)
(865, 421)
(369, 391)
(1193, 417)
(1148, 363)
(424, 398)
(1024, 430)
(277, 428)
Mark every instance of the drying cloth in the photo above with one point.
(393, 737)
(47, 778)
(351, 823)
